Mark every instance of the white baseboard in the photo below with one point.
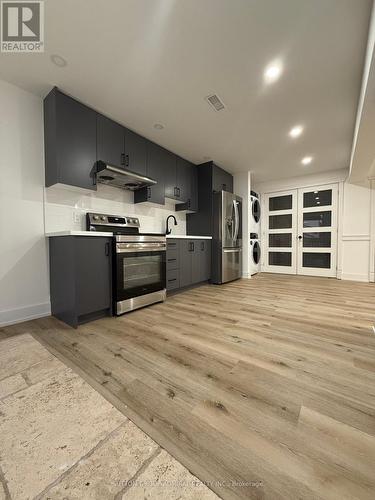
(246, 275)
(355, 277)
(13, 316)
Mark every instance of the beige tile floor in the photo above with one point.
(60, 439)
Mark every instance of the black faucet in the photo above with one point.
(175, 223)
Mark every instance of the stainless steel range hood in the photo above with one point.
(121, 178)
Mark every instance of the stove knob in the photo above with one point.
(102, 217)
(96, 217)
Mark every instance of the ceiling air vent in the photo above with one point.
(215, 101)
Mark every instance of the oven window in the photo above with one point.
(140, 271)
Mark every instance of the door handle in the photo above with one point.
(126, 160)
(107, 249)
(300, 237)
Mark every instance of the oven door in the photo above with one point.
(139, 272)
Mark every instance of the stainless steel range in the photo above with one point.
(139, 262)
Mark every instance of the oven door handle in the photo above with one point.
(128, 248)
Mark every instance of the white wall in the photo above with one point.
(24, 286)
(356, 221)
(241, 187)
(356, 233)
(65, 208)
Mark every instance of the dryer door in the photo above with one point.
(256, 252)
(256, 210)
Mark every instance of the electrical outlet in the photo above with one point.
(76, 217)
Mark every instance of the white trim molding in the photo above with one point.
(356, 237)
(354, 277)
(27, 313)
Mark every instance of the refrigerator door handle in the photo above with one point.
(237, 221)
(232, 250)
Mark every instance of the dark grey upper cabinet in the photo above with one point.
(170, 174)
(155, 170)
(110, 141)
(135, 152)
(221, 180)
(69, 141)
(210, 178)
(183, 176)
(187, 185)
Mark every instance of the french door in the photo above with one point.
(301, 231)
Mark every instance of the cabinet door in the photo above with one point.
(155, 193)
(169, 170)
(70, 141)
(110, 142)
(93, 274)
(196, 261)
(186, 250)
(193, 199)
(183, 179)
(221, 180)
(205, 259)
(135, 152)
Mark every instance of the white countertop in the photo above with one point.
(78, 233)
(102, 233)
(188, 237)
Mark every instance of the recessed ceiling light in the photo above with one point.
(318, 202)
(306, 160)
(296, 131)
(273, 72)
(58, 60)
(316, 192)
(158, 126)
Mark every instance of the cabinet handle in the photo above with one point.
(188, 203)
(148, 193)
(178, 192)
(126, 160)
(202, 245)
(171, 260)
(174, 279)
(175, 192)
(191, 244)
(224, 187)
(122, 158)
(107, 249)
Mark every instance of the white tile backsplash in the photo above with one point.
(65, 209)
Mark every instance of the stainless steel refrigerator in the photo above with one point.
(227, 237)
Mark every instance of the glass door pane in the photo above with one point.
(281, 226)
(317, 230)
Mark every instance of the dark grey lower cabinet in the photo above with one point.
(188, 262)
(80, 278)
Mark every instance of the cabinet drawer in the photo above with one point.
(172, 244)
(173, 259)
(173, 279)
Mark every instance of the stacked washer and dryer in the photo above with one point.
(254, 233)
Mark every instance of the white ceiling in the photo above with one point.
(147, 61)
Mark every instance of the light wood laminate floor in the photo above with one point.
(264, 388)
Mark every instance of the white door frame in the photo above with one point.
(297, 230)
